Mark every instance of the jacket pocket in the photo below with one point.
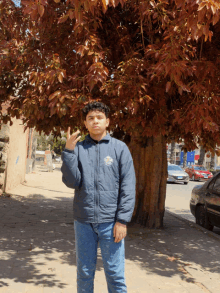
(108, 200)
(84, 197)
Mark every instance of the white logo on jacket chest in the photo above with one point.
(108, 161)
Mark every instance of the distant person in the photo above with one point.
(101, 171)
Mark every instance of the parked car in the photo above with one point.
(58, 158)
(198, 173)
(205, 203)
(215, 170)
(176, 174)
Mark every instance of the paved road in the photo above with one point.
(178, 198)
(37, 246)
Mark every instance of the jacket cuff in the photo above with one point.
(68, 150)
(122, 222)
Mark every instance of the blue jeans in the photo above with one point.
(87, 237)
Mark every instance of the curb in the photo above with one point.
(194, 225)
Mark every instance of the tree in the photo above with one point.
(201, 156)
(156, 63)
(173, 153)
(184, 159)
(42, 141)
(57, 144)
(212, 163)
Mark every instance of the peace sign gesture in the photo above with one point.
(72, 139)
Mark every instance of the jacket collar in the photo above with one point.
(105, 138)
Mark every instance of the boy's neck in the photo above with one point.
(98, 137)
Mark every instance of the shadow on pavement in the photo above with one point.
(176, 249)
(35, 231)
(37, 244)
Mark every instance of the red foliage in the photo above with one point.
(156, 63)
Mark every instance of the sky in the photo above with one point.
(17, 2)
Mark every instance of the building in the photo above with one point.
(192, 157)
(15, 154)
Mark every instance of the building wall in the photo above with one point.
(16, 155)
(4, 146)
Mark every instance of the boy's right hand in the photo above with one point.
(72, 139)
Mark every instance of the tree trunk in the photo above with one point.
(202, 156)
(184, 159)
(151, 173)
(212, 163)
(172, 152)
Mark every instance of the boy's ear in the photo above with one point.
(108, 121)
(85, 124)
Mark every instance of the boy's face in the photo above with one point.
(96, 122)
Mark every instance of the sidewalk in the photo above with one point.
(37, 251)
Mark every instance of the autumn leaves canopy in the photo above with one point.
(156, 63)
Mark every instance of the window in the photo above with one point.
(211, 184)
(174, 168)
(216, 187)
(200, 168)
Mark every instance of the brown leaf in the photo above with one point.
(71, 14)
(201, 5)
(179, 3)
(60, 77)
(55, 94)
(63, 18)
(52, 111)
(172, 258)
(27, 10)
(215, 18)
(105, 3)
(210, 36)
(34, 14)
(41, 10)
(40, 89)
(91, 84)
(213, 8)
(180, 90)
(168, 85)
(201, 15)
(43, 2)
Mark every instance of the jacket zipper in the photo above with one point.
(96, 182)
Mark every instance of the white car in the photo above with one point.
(177, 175)
(58, 159)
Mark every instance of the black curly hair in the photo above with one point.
(95, 106)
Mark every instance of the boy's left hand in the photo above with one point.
(119, 231)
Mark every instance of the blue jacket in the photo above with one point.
(103, 177)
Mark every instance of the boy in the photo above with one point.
(101, 171)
